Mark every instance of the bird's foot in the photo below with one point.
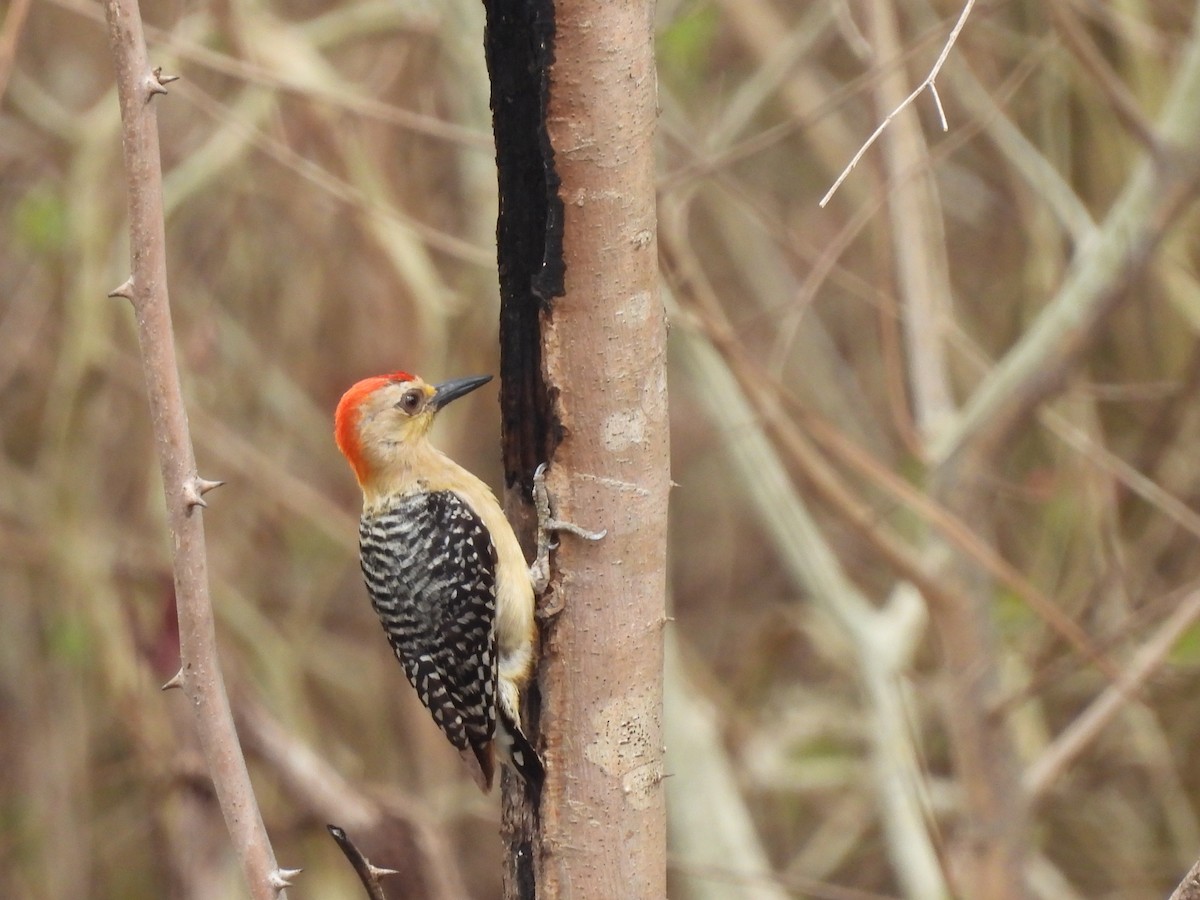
(539, 572)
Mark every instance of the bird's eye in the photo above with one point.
(411, 401)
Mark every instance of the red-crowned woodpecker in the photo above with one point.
(444, 570)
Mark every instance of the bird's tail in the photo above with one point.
(481, 763)
(518, 752)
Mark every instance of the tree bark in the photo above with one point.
(603, 818)
(583, 359)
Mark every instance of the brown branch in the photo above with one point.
(368, 874)
(1189, 888)
(200, 674)
(602, 830)
(339, 96)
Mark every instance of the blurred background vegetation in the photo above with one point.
(331, 213)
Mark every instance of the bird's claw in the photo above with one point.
(539, 572)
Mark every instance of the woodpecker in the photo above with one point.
(444, 570)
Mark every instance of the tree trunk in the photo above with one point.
(589, 395)
(603, 819)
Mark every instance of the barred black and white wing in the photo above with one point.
(430, 568)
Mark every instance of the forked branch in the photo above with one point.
(929, 83)
(368, 874)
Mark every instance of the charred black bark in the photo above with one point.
(519, 46)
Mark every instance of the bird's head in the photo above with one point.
(380, 421)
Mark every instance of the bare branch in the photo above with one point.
(929, 82)
(368, 874)
(921, 265)
(330, 91)
(811, 562)
(1086, 726)
(1156, 193)
(200, 674)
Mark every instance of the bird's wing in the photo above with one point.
(430, 569)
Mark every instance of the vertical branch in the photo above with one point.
(918, 235)
(200, 674)
(603, 825)
(573, 98)
(985, 758)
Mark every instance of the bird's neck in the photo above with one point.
(400, 470)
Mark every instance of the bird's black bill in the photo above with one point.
(452, 390)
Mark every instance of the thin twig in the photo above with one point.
(368, 874)
(199, 675)
(1084, 729)
(928, 83)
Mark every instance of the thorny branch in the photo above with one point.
(368, 874)
(146, 288)
(930, 83)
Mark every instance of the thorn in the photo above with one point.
(282, 878)
(155, 83)
(175, 681)
(367, 873)
(195, 490)
(124, 289)
(191, 493)
(203, 485)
